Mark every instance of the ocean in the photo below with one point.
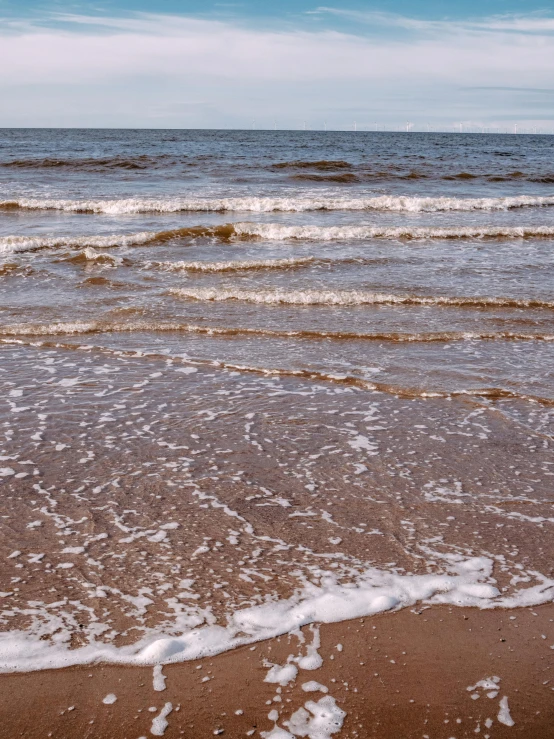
(254, 380)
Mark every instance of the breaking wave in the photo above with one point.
(269, 204)
(270, 232)
(15, 244)
(279, 232)
(91, 255)
(351, 297)
(231, 266)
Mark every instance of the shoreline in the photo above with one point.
(404, 674)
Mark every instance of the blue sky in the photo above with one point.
(283, 9)
(236, 64)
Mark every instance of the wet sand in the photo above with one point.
(399, 676)
(145, 496)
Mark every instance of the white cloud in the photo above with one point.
(537, 23)
(168, 62)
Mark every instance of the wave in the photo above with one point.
(70, 328)
(516, 175)
(92, 164)
(91, 255)
(489, 393)
(284, 204)
(18, 244)
(231, 266)
(15, 244)
(492, 393)
(270, 232)
(10, 268)
(322, 164)
(351, 297)
(353, 172)
(279, 232)
(309, 171)
(99, 281)
(344, 178)
(369, 591)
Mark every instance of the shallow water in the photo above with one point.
(444, 237)
(265, 370)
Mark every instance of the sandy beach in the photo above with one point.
(276, 428)
(405, 675)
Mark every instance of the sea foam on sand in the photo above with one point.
(375, 591)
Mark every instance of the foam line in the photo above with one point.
(272, 232)
(350, 297)
(375, 591)
(271, 204)
(230, 266)
(73, 328)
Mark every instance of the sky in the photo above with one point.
(288, 64)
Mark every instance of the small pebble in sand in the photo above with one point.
(109, 699)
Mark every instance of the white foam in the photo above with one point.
(17, 244)
(277, 733)
(68, 328)
(312, 660)
(158, 679)
(281, 675)
(160, 723)
(92, 255)
(280, 232)
(345, 297)
(230, 266)
(268, 232)
(504, 713)
(375, 591)
(313, 687)
(285, 204)
(487, 683)
(326, 719)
